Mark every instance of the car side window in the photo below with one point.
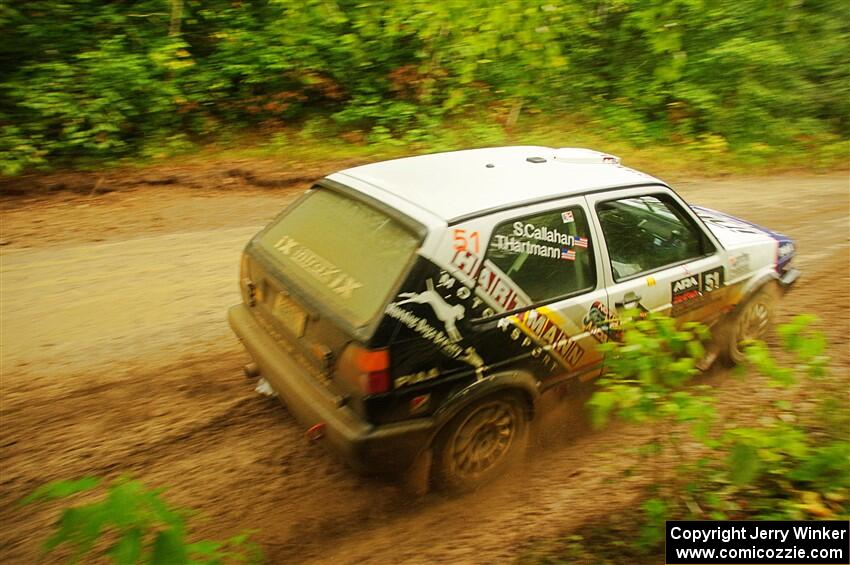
(645, 233)
(547, 255)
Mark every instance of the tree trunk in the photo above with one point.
(176, 17)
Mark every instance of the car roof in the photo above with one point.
(461, 184)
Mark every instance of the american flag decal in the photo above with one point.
(568, 254)
(580, 241)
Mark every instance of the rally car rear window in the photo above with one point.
(345, 254)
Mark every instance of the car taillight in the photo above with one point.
(249, 289)
(367, 369)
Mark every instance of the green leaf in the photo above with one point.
(601, 403)
(169, 549)
(128, 549)
(205, 547)
(79, 527)
(652, 531)
(743, 464)
(60, 489)
(695, 349)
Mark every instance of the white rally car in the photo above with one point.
(416, 309)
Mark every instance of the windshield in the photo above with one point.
(344, 253)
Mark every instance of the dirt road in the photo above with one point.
(116, 359)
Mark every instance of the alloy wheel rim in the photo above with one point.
(484, 439)
(754, 322)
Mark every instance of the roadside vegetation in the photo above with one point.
(131, 525)
(792, 462)
(742, 86)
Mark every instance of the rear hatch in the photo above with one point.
(322, 273)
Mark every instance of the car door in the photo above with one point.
(657, 256)
(547, 254)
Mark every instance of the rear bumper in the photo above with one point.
(389, 448)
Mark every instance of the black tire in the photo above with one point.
(753, 320)
(481, 442)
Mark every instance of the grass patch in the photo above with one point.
(320, 143)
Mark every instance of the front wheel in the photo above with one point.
(753, 321)
(481, 442)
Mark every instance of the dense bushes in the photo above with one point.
(87, 79)
(789, 461)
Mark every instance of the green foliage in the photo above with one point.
(787, 470)
(783, 468)
(106, 80)
(132, 525)
(646, 370)
(655, 515)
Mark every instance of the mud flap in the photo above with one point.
(417, 479)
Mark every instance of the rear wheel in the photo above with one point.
(481, 442)
(753, 321)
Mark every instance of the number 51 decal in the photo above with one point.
(462, 240)
(712, 280)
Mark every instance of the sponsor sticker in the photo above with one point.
(491, 284)
(691, 292)
(418, 377)
(448, 314)
(449, 338)
(601, 323)
(419, 403)
(685, 289)
(567, 216)
(542, 328)
(498, 287)
(426, 330)
(319, 267)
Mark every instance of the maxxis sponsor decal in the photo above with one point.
(320, 268)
